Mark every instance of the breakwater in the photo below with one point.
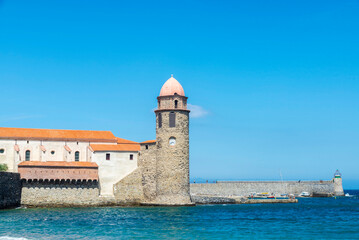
(10, 190)
(203, 200)
(245, 188)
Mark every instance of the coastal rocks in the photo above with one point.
(212, 200)
(257, 201)
(201, 199)
(318, 194)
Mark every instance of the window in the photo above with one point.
(2, 150)
(108, 156)
(159, 120)
(146, 146)
(176, 103)
(172, 119)
(27, 155)
(131, 156)
(27, 142)
(77, 156)
(52, 152)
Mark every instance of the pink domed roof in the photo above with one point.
(172, 87)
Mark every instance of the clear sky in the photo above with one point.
(274, 85)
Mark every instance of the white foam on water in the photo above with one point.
(12, 238)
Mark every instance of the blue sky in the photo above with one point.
(274, 84)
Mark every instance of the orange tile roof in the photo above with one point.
(115, 148)
(56, 135)
(125, 141)
(57, 164)
(149, 141)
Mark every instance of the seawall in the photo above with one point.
(245, 188)
(63, 194)
(10, 190)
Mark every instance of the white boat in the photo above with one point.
(304, 194)
(348, 195)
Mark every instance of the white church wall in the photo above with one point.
(55, 151)
(8, 157)
(113, 170)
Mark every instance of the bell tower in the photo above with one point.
(172, 143)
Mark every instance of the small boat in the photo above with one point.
(263, 195)
(304, 194)
(348, 195)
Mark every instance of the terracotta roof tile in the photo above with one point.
(57, 164)
(125, 141)
(115, 148)
(149, 141)
(57, 135)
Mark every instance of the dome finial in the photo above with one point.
(171, 75)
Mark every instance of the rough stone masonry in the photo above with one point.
(163, 166)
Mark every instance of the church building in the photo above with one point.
(151, 172)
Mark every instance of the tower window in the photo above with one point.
(146, 147)
(2, 150)
(172, 119)
(77, 156)
(27, 155)
(159, 120)
(108, 156)
(131, 156)
(176, 103)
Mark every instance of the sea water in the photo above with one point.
(311, 218)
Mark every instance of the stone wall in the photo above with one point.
(129, 191)
(140, 185)
(10, 190)
(162, 176)
(168, 102)
(62, 194)
(147, 163)
(113, 170)
(245, 188)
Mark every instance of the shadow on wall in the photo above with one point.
(10, 190)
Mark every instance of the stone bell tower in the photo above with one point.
(172, 143)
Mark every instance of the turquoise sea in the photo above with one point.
(311, 218)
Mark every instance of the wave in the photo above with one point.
(12, 238)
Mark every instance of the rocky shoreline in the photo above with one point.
(207, 199)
